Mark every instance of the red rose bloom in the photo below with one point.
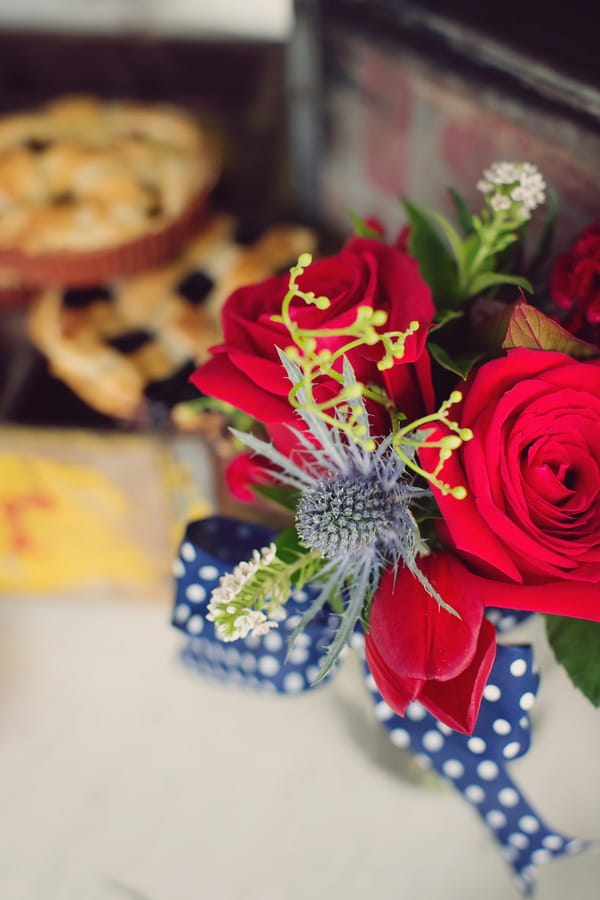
(575, 284)
(246, 371)
(418, 651)
(531, 520)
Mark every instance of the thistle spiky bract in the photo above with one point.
(354, 519)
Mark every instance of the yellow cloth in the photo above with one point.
(80, 510)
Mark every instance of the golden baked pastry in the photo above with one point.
(112, 342)
(91, 188)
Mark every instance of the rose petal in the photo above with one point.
(415, 637)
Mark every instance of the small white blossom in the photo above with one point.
(519, 184)
(500, 201)
(222, 605)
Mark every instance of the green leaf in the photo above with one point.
(452, 237)
(463, 214)
(576, 645)
(280, 494)
(444, 316)
(489, 279)
(361, 229)
(438, 268)
(460, 365)
(530, 328)
(289, 546)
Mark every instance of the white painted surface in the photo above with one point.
(270, 19)
(121, 771)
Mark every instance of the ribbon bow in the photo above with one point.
(476, 764)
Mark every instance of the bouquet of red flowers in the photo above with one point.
(435, 439)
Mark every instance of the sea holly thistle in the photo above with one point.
(355, 512)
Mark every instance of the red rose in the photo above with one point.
(419, 651)
(246, 371)
(531, 520)
(575, 284)
(245, 471)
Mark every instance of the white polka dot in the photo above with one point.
(475, 793)
(415, 711)
(298, 655)
(492, 692)
(242, 530)
(476, 745)
(231, 656)
(253, 641)
(181, 613)
(268, 665)
(235, 677)
(188, 552)
(574, 846)
(507, 622)
(273, 641)
(208, 573)
(518, 840)
(508, 797)
(496, 818)
(528, 874)
(541, 856)
(518, 667)
(383, 711)
(488, 770)
(529, 824)
(453, 768)
(509, 853)
(423, 760)
(312, 673)
(299, 596)
(293, 682)
(195, 625)
(267, 687)
(524, 722)
(511, 750)
(248, 662)
(178, 569)
(214, 651)
(292, 621)
(552, 841)
(302, 640)
(432, 741)
(527, 700)
(501, 726)
(196, 593)
(400, 737)
(357, 641)
(371, 683)
(493, 615)
(445, 729)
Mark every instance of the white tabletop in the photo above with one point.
(125, 775)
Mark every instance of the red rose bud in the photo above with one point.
(418, 651)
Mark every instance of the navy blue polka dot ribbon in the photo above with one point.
(475, 764)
